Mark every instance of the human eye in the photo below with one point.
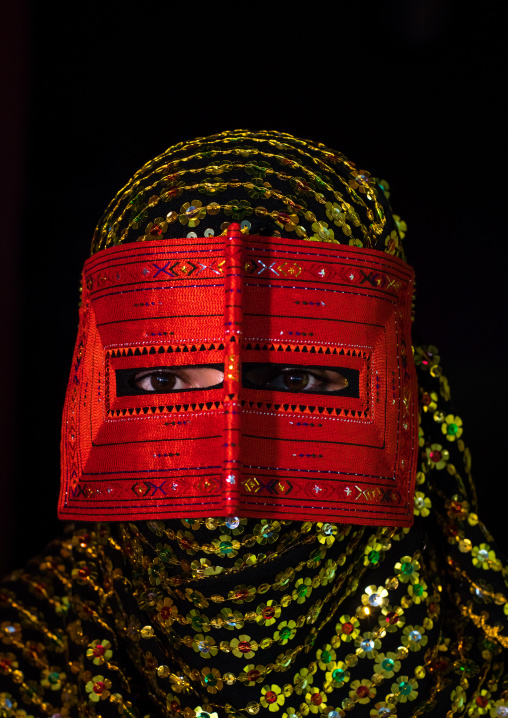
(159, 381)
(164, 380)
(296, 379)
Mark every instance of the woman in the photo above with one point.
(241, 431)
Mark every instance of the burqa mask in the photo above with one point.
(260, 370)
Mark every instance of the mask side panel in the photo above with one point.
(347, 454)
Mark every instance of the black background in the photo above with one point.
(412, 91)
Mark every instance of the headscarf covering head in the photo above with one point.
(273, 266)
(271, 182)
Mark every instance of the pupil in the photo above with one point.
(162, 382)
(296, 379)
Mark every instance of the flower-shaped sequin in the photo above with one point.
(392, 619)
(384, 186)
(335, 213)
(231, 619)
(10, 631)
(418, 591)
(338, 675)
(429, 401)
(362, 691)
(98, 688)
(258, 169)
(405, 689)
(483, 556)
(323, 233)
(286, 221)
(428, 358)
(392, 242)
(99, 652)
(452, 427)
(457, 508)
(326, 657)
(204, 646)
(212, 186)
(267, 531)
(84, 572)
(316, 700)
(51, 678)
(242, 594)
(253, 674)
(166, 612)
(302, 186)
(327, 573)
(156, 229)
(165, 553)
(482, 702)
(422, 504)
(267, 613)
(326, 533)
(257, 188)
(150, 662)
(375, 597)
(211, 679)
(348, 628)
(186, 542)
(156, 572)
(238, 209)
(499, 709)
(414, 638)
(286, 630)
(225, 547)
(437, 456)
(401, 226)
(302, 680)
(174, 189)
(407, 569)
(367, 645)
(383, 710)
(373, 553)
(191, 213)
(272, 697)
(243, 647)
(219, 169)
(387, 664)
(284, 578)
(361, 180)
(197, 598)
(302, 589)
(235, 525)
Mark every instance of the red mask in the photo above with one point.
(242, 375)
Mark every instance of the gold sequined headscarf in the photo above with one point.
(271, 182)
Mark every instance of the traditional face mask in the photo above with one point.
(242, 375)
